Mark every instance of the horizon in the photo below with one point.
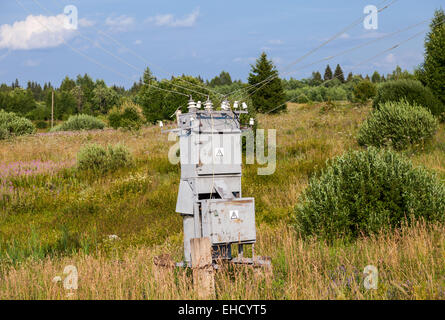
(178, 38)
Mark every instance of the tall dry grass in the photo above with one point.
(62, 220)
(410, 263)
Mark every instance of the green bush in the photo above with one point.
(364, 91)
(13, 125)
(398, 125)
(94, 157)
(413, 91)
(318, 94)
(303, 99)
(119, 157)
(128, 116)
(363, 192)
(80, 122)
(41, 125)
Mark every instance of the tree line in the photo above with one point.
(265, 91)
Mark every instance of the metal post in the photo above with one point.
(52, 109)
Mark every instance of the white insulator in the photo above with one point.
(225, 105)
(208, 105)
(161, 124)
(191, 104)
(244, 105)
(235, 105)
(251, 121)
(199, 105)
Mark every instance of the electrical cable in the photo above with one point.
(137, 56)
(317, 48)
(364, 61)
(92, 59)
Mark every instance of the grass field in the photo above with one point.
(52, 215)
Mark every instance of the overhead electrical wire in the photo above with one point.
(135, 54)
(111, 54)
(364, 61)
(247, 88)
(347, 51)
(338, 34)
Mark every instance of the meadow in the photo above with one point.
(52, 215)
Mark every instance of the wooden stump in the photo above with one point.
(203, 273)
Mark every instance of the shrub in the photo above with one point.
(363, 192)
(303, 99)
(13, 125)
(364, 91)
(80, 122)
(41, 125)
(336, 94)
(94, 157)
(398, 125)
(413, 91)
(128, 116)
(119, 157)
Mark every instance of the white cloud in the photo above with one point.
(276, 41)
(169, 20)
(342, 36)
(84, 22)
(372, 35)
(35, 32)
(31, 63)
(120, 24)
(390, 58)
(244, 59)
(138, 42)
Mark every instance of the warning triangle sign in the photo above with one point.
(219, 152)
(234, 214)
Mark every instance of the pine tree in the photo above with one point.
(221, 80)
(67, 84)
(350, 75)
(375, 77)
(338, 74)
(148, 76)
(15, 84)
(328, 73)
(316, 79)
(269, 95)
(433, 71)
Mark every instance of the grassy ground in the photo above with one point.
(52, 216)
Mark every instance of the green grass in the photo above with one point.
(64, 218)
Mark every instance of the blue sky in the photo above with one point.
(199, 37)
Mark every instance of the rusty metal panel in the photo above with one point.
(229, 221)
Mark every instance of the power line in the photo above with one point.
(317, 48)
(91, 59)
(135, 54)
(110, 53)
(359, 46)
(347, 51)
(363, 62)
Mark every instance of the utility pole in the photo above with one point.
(52, 109)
